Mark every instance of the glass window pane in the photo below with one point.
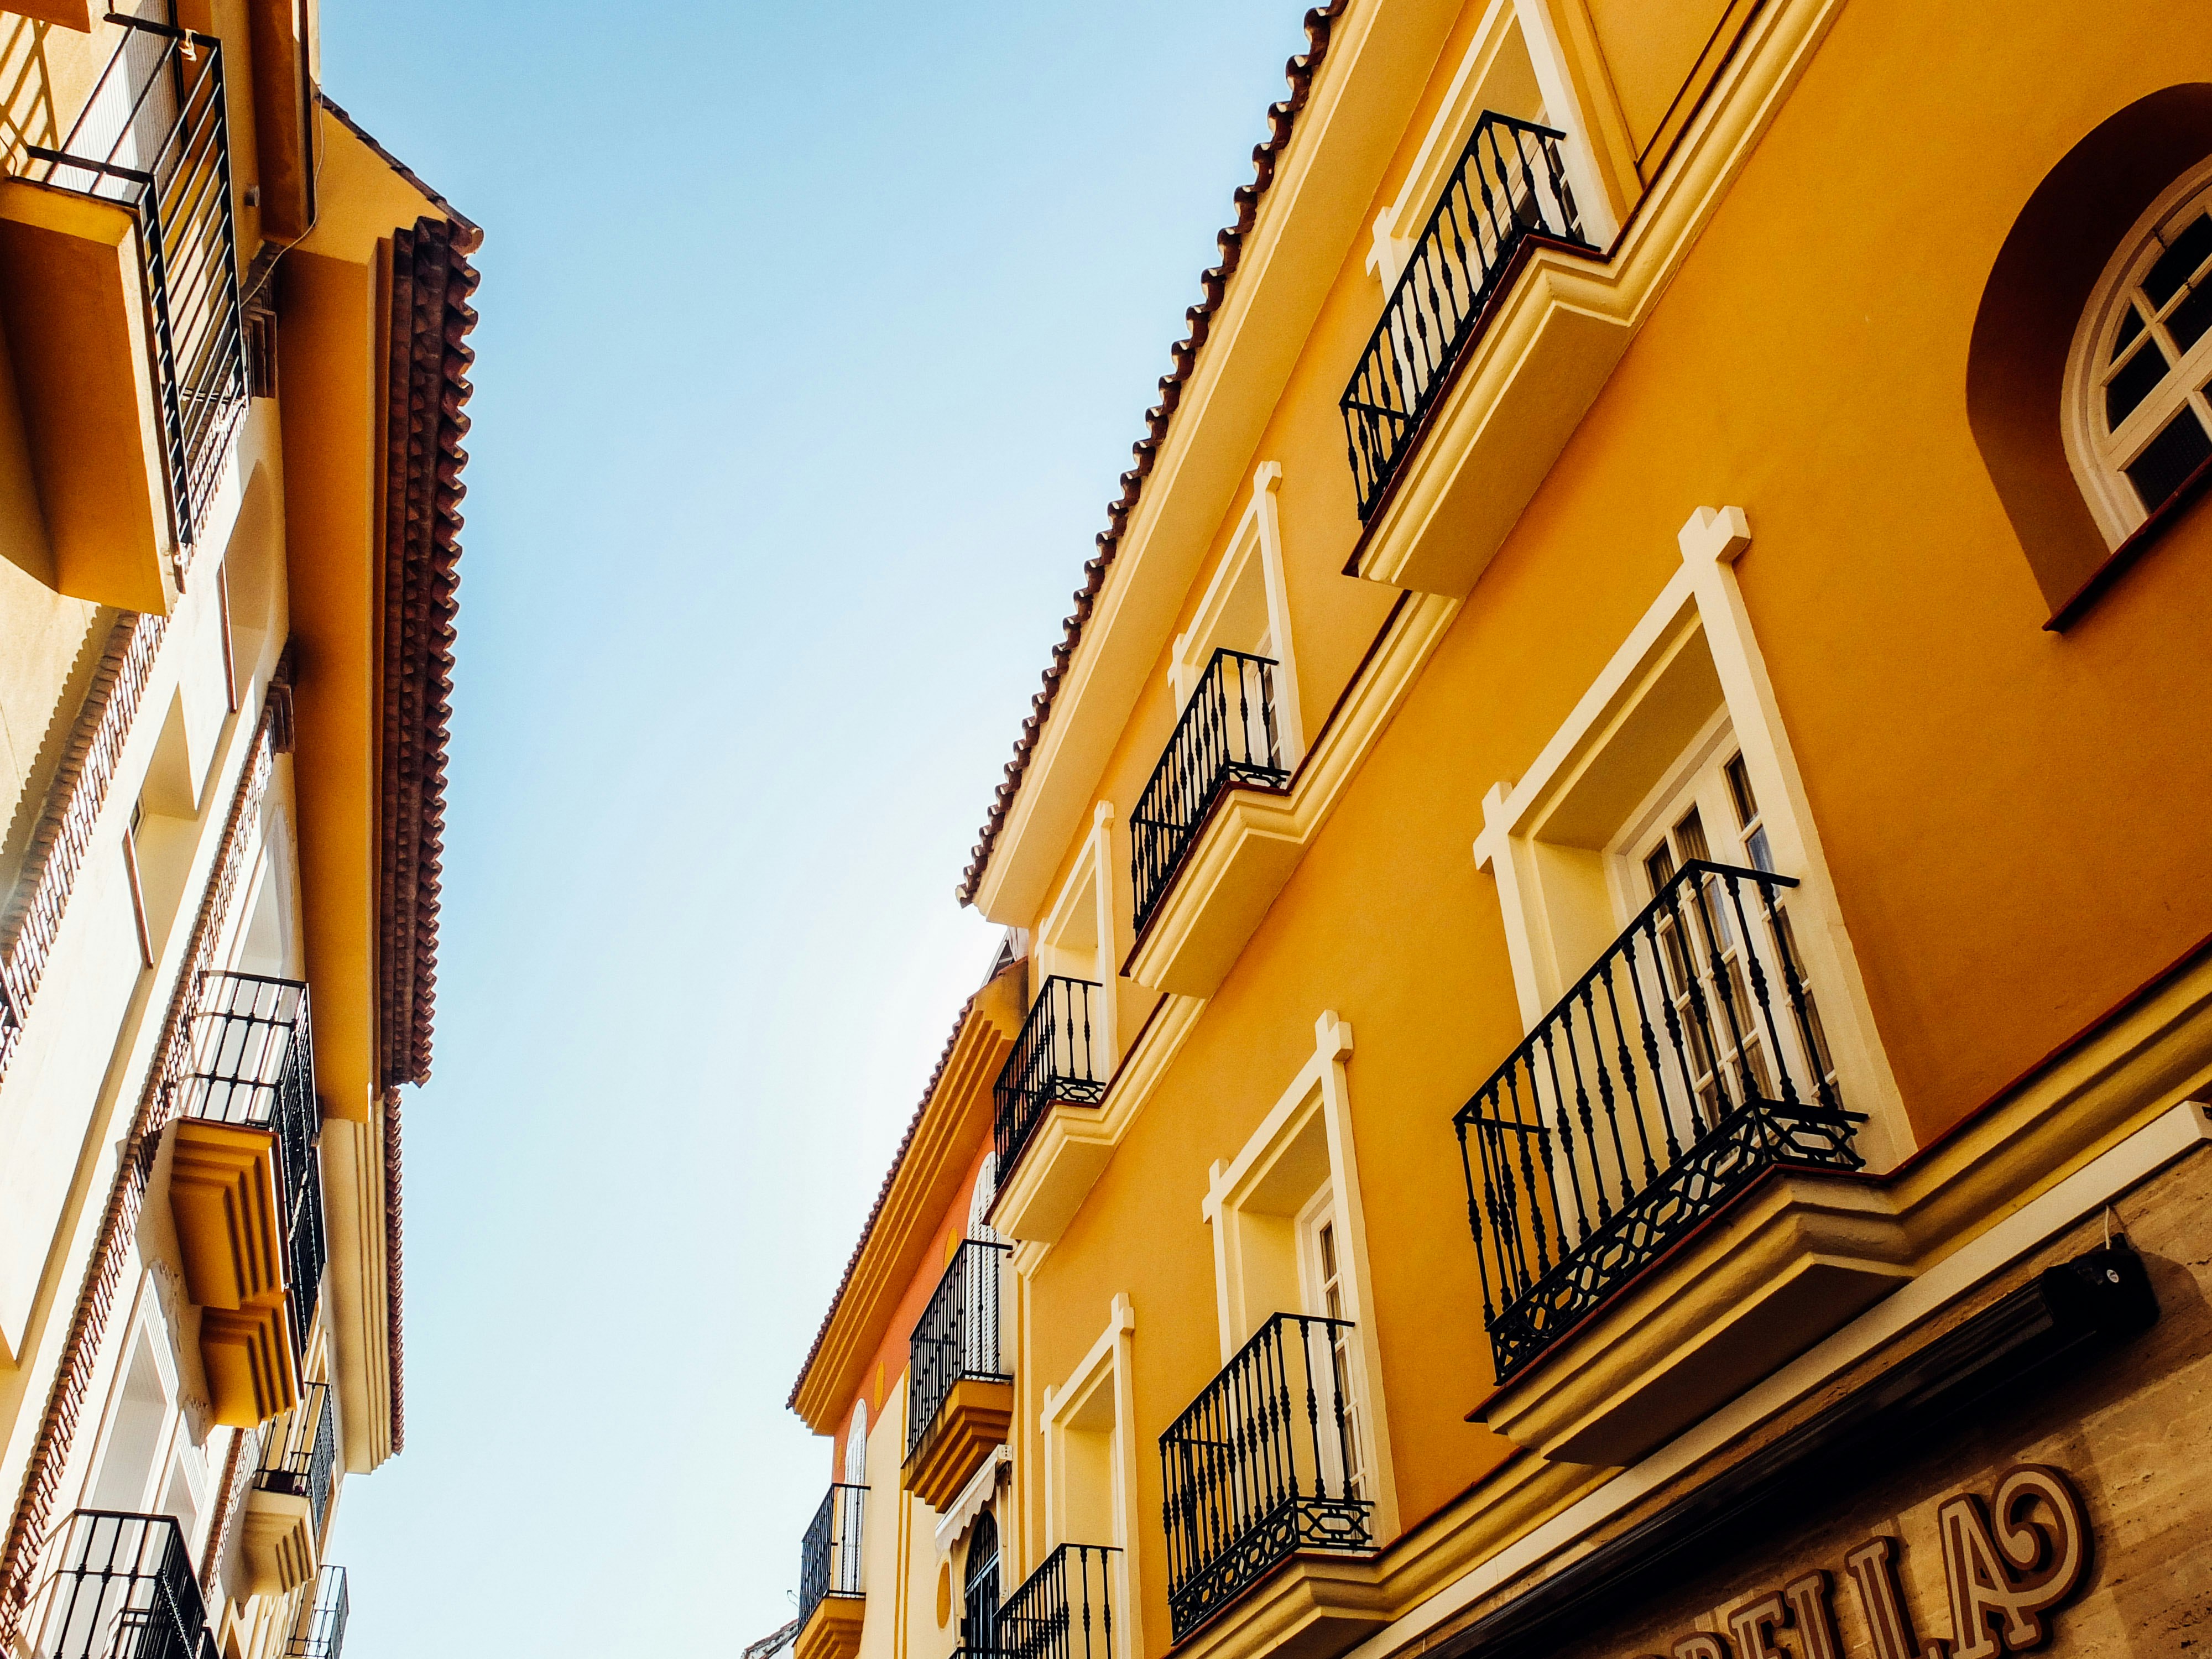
(2131, 385)
(2187, 321)
(2169, 458)
(2130, 325)
(2187, 250)
(1739, 783)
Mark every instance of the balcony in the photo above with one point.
(245, 1191)
(829, 1577)
(1510, 185)
(119, 1587)
(959, 1400)
(118, 281)
(290, 1497)
(1064, 1610)
(1687, 1068)
(1261, 1466)
(1227, 735)
(1055, 1058)
(320, 1633)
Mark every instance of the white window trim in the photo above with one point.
(1319, 1090)
(1259, 535)
(2095, 458)
(1091, 886)
(1110, 1363)
(1703, 597)
(1398, 226)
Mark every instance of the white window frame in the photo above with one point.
(1527, 24)
(1105, 1375)
(1254, 553)
(1088, 901)
(1563, 887)
(2098, 457)
(1300, 1158)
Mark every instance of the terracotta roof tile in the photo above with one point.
(1282, 117)
(883, 1194)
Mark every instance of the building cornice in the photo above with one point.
(950, 1128)
(1282, 120)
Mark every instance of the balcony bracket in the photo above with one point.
(970, 1426)
(1794, 1258)
(73, 299)
(278, 1545)
(832, 1631)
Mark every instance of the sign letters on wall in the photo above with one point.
(2009, 1562)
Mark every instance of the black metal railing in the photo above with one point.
(154, 136)
(299, 1456)
(956, 1337)
(829, 1554)
(1064, 1610)
(1227, 735)
(119, 1587)
(1685, 1065)
(1262, 1464)
(253, 1063)
(1055, 1058)
(320, 1633)
(1511, 184)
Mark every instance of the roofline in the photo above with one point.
(1282, 118)
(983, 1035)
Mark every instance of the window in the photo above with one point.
(1713, 817)
(1246, 609)
(979, 1615)
(2140, 420)
(1329, 1294)
(1676, 754)
(1288, 1221)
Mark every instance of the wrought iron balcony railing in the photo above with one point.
(956, 1338)
(1264, 1463)
(1227, 735)
(1064, 1610)
(119, 1587)
(829, 1554)
(320, 1633)
(1511, 184)
(299, 1456)
(154, 136)
(1687, 1063)
(1055, 1058)
(253, 1063)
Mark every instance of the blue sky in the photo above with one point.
(813, 341)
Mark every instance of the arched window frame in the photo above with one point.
(2100, 458)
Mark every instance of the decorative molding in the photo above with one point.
(63, 837)
(112, 1251)
(427, 386)
(1282, 118)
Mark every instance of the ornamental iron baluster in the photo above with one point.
(1273, 1461)
(1486, 209)
(1199, 761)
(1627, 1061)
(1722, 1055)
(1052, 1060)
(956, 1337)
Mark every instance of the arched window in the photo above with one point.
(856, 1447)
(2138, 416)
(979, 1620)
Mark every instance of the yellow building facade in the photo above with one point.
(231, 410)
(1603, 1045)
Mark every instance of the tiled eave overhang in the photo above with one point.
(426, 391)
(1282, 119)
(949, 1128)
